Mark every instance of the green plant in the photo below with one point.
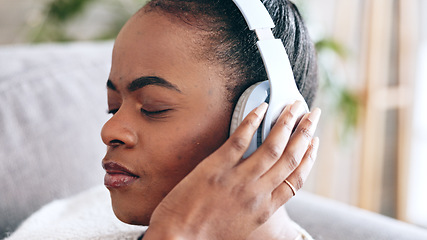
(340, 101)
(58, 15)
(63, 10)
(337, 96)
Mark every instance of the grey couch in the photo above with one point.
(52, 107)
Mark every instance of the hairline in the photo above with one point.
(200, 50)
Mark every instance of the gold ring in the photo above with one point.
(291, 187)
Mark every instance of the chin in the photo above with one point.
(129, 212)
(133, 217)
(133, 220)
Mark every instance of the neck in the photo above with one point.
(278, 227)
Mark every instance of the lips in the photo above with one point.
(118, 176)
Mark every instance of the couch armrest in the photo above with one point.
(327, 219)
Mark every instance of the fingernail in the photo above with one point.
(314, 116)
(316, 142)
(296, 108)
(260, 111)
(315, 148)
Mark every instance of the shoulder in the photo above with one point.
(87, 215)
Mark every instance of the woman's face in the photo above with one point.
(170, 112)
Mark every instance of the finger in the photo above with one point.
(284, 191)
(233, 149)
(295, 150)
(274, 145)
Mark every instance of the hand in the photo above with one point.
(226, 197)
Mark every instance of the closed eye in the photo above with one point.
(112, 111)
(155, 114)
(152, 114)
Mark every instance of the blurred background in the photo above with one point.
(373, 72)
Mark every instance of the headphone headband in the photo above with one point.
(275, 60)
(256, 15)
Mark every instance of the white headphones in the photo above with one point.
(280, 89)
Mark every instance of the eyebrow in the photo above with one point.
(145, 81)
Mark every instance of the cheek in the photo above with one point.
(189, 145)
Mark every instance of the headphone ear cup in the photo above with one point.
(249, 100)
(238, 113)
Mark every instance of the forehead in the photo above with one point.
(150, 43)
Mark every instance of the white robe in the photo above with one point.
(87, 215)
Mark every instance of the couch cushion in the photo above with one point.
(327, 219)
(53, 105)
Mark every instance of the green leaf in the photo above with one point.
(63, 10)
(330, 44)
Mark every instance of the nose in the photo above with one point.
(119, 132)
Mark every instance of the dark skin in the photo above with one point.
(162, 147)
(171, 115)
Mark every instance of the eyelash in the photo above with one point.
(152, 114)
(155, 114)
(112, 111)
